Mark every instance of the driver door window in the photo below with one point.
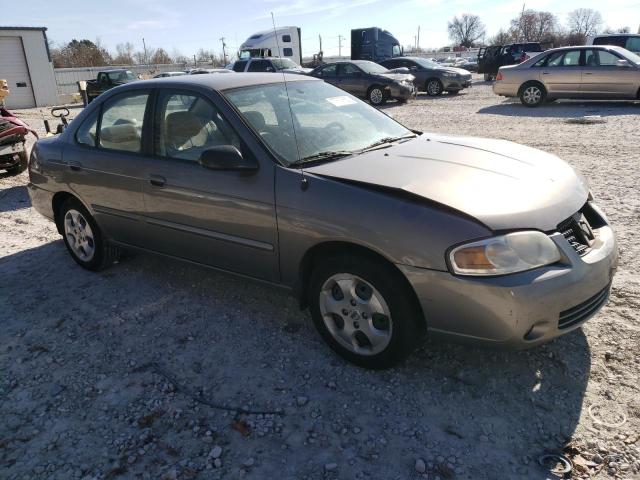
(187, 125)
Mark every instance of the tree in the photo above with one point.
(160, 56)
(466, 29)
(584, 22)
(501, 38)
(81, 53)
(124, 54)
(534, 26)
(610, 31)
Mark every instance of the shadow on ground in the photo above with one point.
(14, 198)
(564, 109)
(493, 412)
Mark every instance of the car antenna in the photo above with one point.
(305, 183)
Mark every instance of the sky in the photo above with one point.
(193, 24)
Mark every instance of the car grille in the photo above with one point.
(578, 232)
(581, 312)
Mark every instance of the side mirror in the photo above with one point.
(226, 157)
(622, 63)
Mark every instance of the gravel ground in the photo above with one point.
(126, 373)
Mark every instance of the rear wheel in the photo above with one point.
(21, 166)
(376, 95)
(434, 87)
(532, 94)
(488, 77)
(83, 237)
(364, 310)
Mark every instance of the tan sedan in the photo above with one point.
(596, 72)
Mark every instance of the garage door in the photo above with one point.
(13, 68)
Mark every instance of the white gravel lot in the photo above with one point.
(118, 374)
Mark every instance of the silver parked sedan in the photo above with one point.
(384, 232)
(593, 72)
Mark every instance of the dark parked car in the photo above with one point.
(368, 80)
(107, 80)
(431, 77)
(270, 65)
(490, 59)
(386, 234)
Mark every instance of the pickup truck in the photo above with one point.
(107, 80)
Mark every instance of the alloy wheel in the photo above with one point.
(79, 235)
(355, 314)
(376, 96)
(532, 95)
(433, 88)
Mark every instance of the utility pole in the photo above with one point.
(340, 37)
(144, 46)
(521, 19)
(224, 50)
(418, 40)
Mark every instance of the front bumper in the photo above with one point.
(455, 83)
(9, 154)
(402, 92)
(519, 310)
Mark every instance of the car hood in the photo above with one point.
(396, 77)
(502, 184)
(459, 71)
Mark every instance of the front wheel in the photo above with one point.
(364, 310)
(377, 96)
(434, 87)
(83, 237)
(532, 94)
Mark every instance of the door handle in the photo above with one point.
(545, 73)
(587, 73)
(157, 180)
(75, 166)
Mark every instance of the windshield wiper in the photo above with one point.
(387, 140)
(327, 155)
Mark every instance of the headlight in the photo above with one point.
(511, 253)
(449, 74)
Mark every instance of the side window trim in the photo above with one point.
(156, 119)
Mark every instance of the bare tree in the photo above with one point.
(178, 57)
(610, 31)
(584, 22)
(160, 56)
(466, 29)
(534, 26)
(501, 38)
(124, 54)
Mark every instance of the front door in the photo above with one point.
(603, 77)
(352, 79)
(103, 165)
(225, 219)
(562, 73)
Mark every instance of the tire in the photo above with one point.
(433, 87)
(83, 238)
(384, 310)
(376, 95)
(532, 94)
(21, 166)
(488, 77)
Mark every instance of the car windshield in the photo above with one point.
(125, 76)
(423, 62)
(370, 67)
(632, 57)
(281, 63)
(327, 121)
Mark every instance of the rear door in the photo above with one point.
(104, 161)
(225, 219)
(561, 73)
(603, 77)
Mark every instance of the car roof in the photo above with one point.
(226, 82)
(356, 62)
(584, 47)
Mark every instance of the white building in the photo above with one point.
(25, 62)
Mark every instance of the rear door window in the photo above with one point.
(633, 44)
(122, 122)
